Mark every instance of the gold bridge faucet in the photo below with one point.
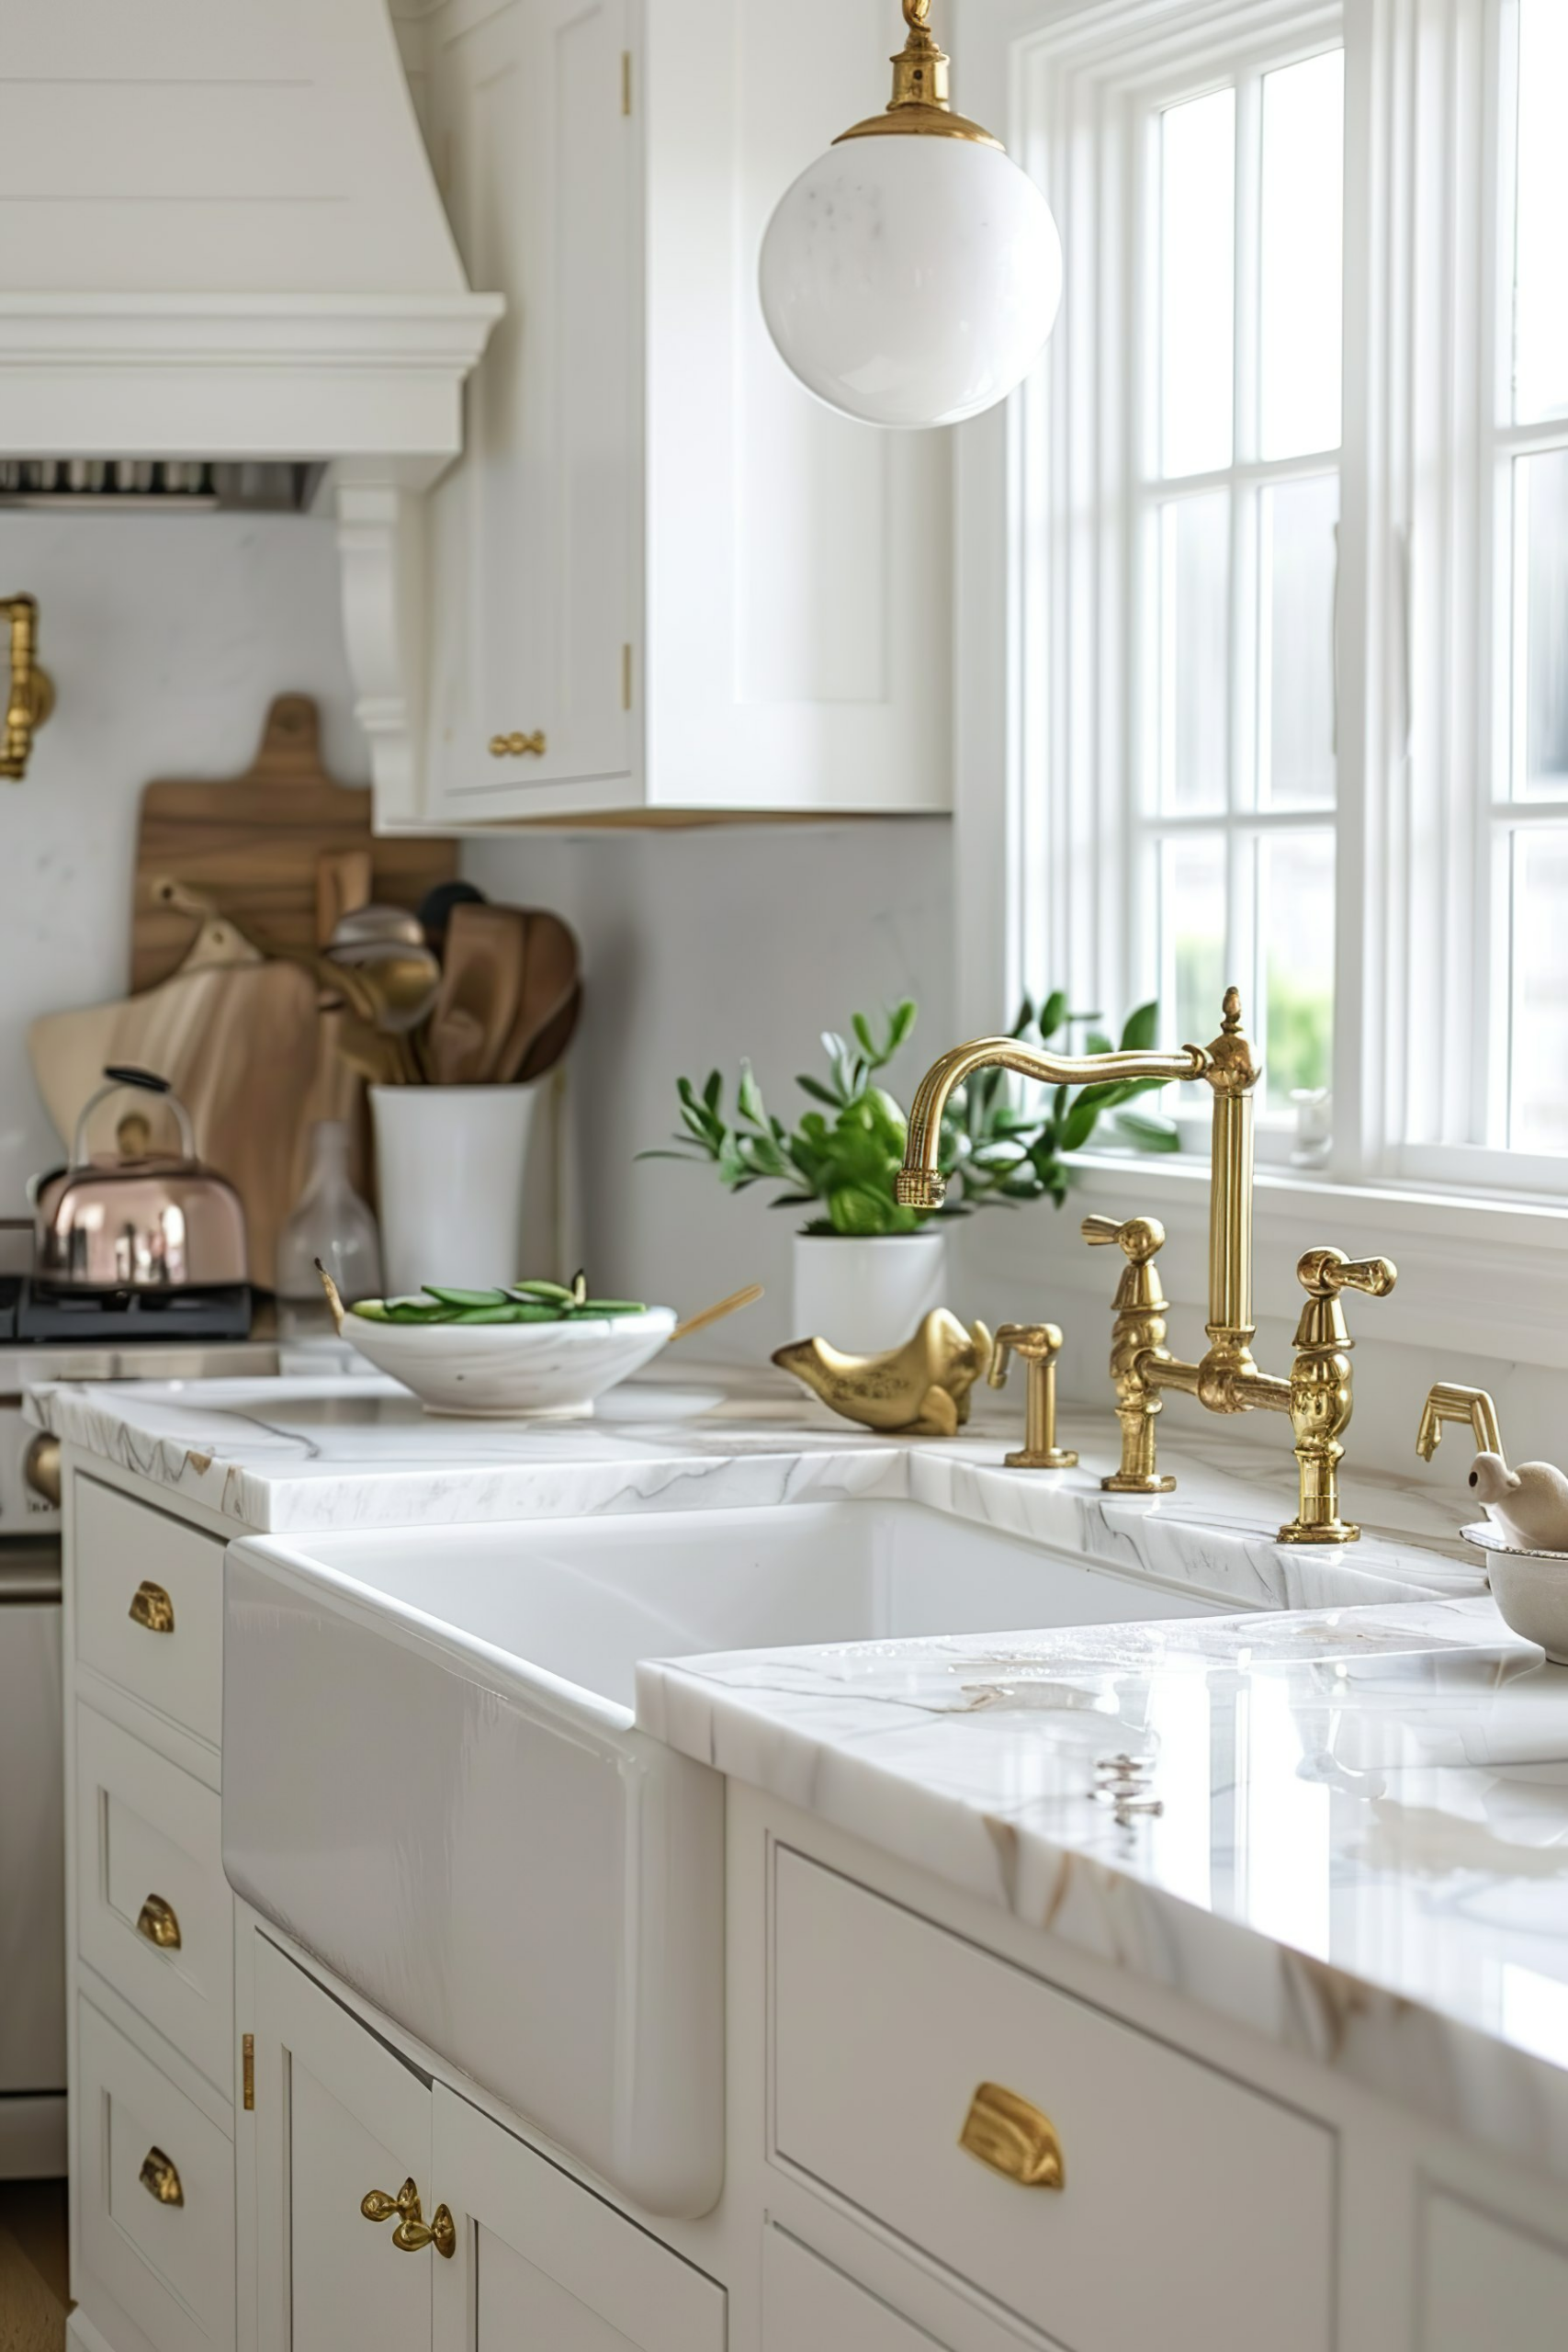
(1224, 1379)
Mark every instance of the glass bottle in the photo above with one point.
(329, 1221)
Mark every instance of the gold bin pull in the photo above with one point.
(160, 2177)
(151, 1606)
(158, 1922)
(1013, 2137)
(412, 2233)
(518, 747)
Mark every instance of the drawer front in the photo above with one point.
(168, 2266)
(805, 2301)
(1183, 2192)
(150, 1606)
(1484, 2282)
(154, 1911)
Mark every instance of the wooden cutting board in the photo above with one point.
(254, 844)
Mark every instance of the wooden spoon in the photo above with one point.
(481, 983)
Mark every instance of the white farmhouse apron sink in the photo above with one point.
(434, 1779)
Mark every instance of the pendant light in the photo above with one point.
(912, 274)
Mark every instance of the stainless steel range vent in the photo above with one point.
(190, 483)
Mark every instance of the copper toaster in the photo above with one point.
(139, 1219)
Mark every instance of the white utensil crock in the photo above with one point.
(867, 1295)
(449, 1163)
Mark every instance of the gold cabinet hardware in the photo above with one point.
(1037, 1345)
(625, 81)
(156, 1920)
(412, 2233)
(151, 1606)
(1447, 1403)
(31, 696)
(1013, 2137)
(40, 1467)
(518, 747)
(160, 2177)
(626, 677)
(1224, 1378)
(248, 2070)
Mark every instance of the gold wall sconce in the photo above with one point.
(31, 696)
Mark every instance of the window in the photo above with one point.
(1288, 556)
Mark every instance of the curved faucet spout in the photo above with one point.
(920, 1183)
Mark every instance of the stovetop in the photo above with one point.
(39, 1314)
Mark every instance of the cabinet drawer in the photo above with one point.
(1484, 2282)
(1184, 2193)
(148, 1849)
(170, 1653)
(807, 2303)
(168, 2266)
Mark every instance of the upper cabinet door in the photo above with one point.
(534, 617)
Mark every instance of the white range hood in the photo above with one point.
(220, 241)
(219, 238)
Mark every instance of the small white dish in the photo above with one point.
(1529, 1588)
(513, 1370)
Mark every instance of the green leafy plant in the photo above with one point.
(1000, 1145)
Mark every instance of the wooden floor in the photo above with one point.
(33, 2271)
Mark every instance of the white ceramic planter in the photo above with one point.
(449, 1163)
(866, 1295)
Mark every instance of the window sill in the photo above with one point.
(1478, 1276)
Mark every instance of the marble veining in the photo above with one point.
(1362, 1846)
(314, 1455)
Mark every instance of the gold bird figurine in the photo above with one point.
(919, 1390)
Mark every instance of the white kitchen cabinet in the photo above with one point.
(337, 2114)
(542, 2260)
(534, 2257)
(684, 586)
(1484, 2282)
(809, 2306)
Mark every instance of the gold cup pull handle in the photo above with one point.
(158, 1921)
(160, 2177)
(1011, 2137)
(151, 1606)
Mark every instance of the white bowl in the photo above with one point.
(512, 1370)
(1530, 1590)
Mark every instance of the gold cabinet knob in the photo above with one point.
(30, 698)
(151, 1607)
(160, 2177)
(40, 1467)
(1011, 2137)
(412, 2233)
(518, 747)
(157, 1922)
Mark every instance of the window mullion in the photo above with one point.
(1241, 797)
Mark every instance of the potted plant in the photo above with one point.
(866, 1269)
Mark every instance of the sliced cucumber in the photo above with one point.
(467, 1297)
(514, 1311)
(609, 1306)
(374, 1310)
(556, 1293)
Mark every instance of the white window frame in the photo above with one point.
(1041, 659)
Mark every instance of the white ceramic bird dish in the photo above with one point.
(513, 1371)
(1530, 1589)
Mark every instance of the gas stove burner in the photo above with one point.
(46, 1312)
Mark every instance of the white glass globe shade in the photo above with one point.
(911, 280)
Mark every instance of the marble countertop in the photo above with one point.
(301, 1455)
(1362, 1846)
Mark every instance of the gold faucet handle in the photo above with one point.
(1448, 1402)
(1139, 1237)
(1322, 1273)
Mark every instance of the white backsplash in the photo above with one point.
(167, 636)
